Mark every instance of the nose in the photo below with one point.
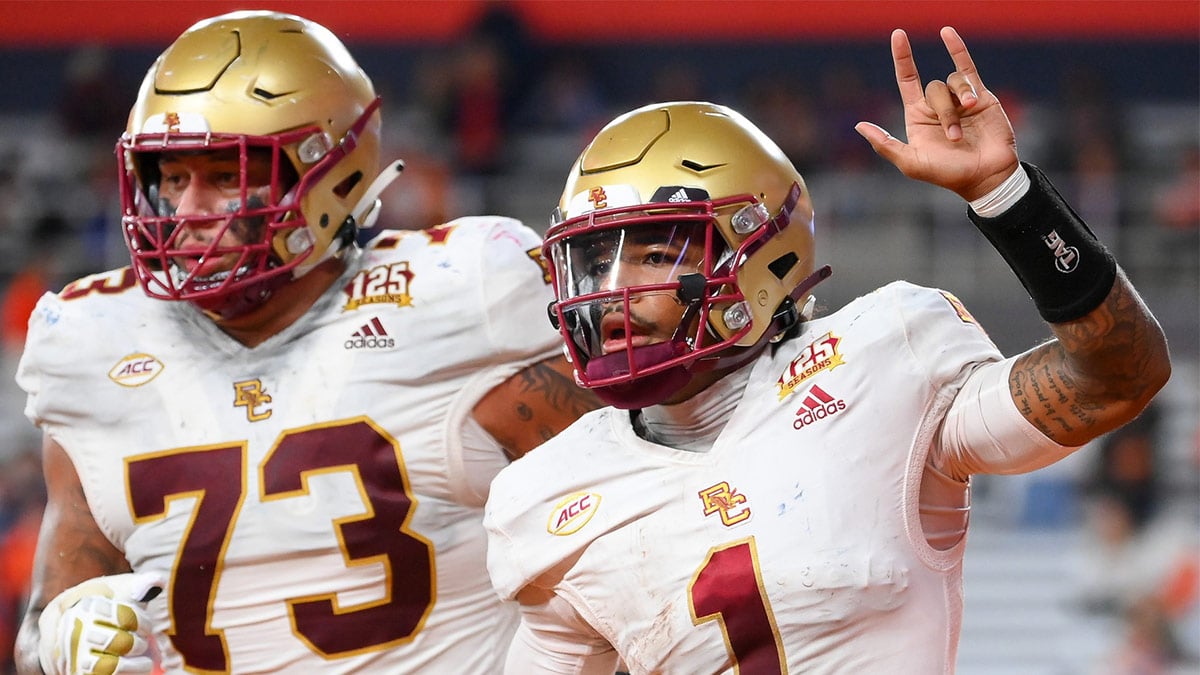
(198, 199)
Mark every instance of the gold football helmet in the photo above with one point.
(260, 82)
(733, 223)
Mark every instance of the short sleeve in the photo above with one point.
(516, 289)
(943, 337)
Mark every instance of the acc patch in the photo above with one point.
(572, 513)
(135, 370)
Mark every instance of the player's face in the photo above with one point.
(646, 259)
(198, 188)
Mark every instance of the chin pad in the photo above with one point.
(644, 390)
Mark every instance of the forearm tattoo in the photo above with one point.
(1066, 385)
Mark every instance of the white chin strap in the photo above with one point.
(809, 305)
(365, 213)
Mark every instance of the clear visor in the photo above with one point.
(616, 283)
(645, 257)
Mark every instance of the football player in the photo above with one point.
(772, 491)
(267, 449)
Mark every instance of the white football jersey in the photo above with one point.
(794, 544)
(307, 498)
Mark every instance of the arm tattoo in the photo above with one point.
(1071, 385)
(560, 392)
(533, 405)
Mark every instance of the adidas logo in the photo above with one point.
(680, 195)
(817, 405)
(372, 335)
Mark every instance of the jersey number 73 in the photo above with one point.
(215, 477)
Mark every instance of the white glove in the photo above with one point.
(99, 626)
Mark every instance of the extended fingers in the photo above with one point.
(951, 99)
(965, 80)
(885, 145)
(908, 80)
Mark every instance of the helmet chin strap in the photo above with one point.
(366, 211)
(232, 305)
(806, 312)
(364, 214)
(785, 317)
(643, 391)
(656, 387)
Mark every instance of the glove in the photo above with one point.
(99, 626)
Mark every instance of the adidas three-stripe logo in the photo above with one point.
(816, 405)
(372, 327)
(372, 335)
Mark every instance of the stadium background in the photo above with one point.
(489, 102)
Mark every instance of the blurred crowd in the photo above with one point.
(489, 126)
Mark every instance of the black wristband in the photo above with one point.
(1061, 263)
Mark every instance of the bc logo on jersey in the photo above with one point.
(727, 501)
(572, 513)
(251, 395)
(820, 354)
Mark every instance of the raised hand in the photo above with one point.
(959, 136)
(99, 627)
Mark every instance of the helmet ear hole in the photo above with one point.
(346, 186)
(783, 264)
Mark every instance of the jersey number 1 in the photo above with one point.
(728, 588)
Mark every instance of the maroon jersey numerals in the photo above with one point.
(215, 477)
